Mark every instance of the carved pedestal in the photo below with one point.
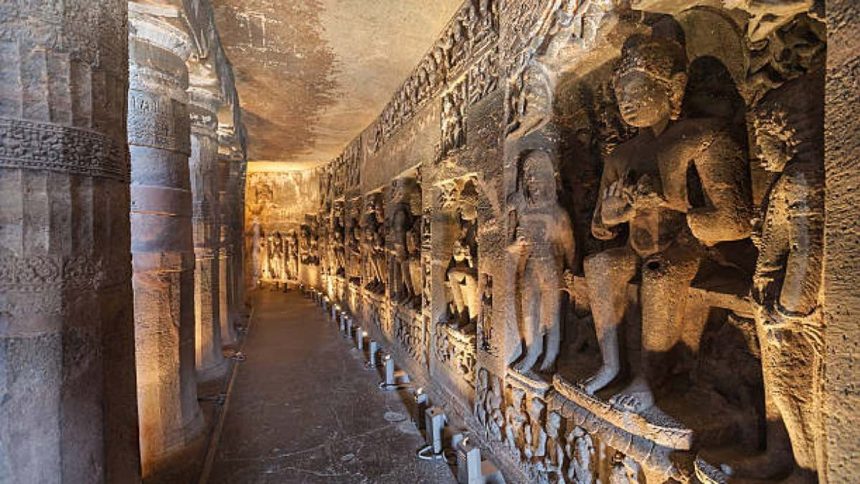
(203, 166)
(162, 247)
(67, 404)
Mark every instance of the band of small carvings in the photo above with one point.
(41, 273)
(76, 151)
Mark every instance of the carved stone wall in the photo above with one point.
(622, 237)
(276, 233)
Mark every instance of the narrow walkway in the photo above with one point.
(304, 409)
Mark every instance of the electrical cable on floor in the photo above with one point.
(449, 456)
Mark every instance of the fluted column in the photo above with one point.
(162, 246)
(67, 403)
(239, 244)
(227, 203)
(204, 173)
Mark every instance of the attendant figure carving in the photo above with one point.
(788, 141)
(541, 247)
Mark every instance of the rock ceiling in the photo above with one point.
(312, 74)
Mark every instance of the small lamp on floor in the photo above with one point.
(371, 357)
(420, 408)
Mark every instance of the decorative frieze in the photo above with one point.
(76, 151)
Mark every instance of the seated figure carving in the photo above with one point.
(645, 186)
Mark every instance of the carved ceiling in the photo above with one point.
(312, 74)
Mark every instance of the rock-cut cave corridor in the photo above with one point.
(429, 241)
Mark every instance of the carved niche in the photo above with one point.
(484, 77)
(459, 202)
(373, 249)
(337, 250)
(405, 244)
(353, 244)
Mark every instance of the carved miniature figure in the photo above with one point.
(645, 185)
(257, 251)
(338, 249)
(293, 254)
(550, 467)
(580, 451)
(402, 220)
(373, 245)
(276, 257)
(515, 423)
(496, 421)
(413, 251)
(485, 313)
(541, 247)
(535, 444)
(624, 470)
(453, 119)
(267, 251)
(482, 391)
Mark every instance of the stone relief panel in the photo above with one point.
(454, 119)
(411, 331)
(472, 30)
(405, 242)
(484, 77)
(373, 250)
(654, 242)
(456, 350)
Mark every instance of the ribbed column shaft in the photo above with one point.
(162, 245)
(203, 165)
(67, 404)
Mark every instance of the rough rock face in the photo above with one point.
(840, 245)
(620, 232)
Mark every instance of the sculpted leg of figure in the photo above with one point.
(666, 279)
(471, 296)
(531, 306)
(607, 274)
(549, 283)
(790, 381)
(454, 282)
(406, 278)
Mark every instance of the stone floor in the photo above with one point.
(304, 409)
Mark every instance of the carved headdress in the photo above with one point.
(661, 56)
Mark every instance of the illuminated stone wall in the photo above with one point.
(596, 233)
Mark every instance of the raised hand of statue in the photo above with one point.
(645, 195)
(617, 203)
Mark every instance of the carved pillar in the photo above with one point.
(227, 202)
(242, 243)
(841, 247)
(236, 188)
(162, 247)
(203, 165)
(67, 404)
